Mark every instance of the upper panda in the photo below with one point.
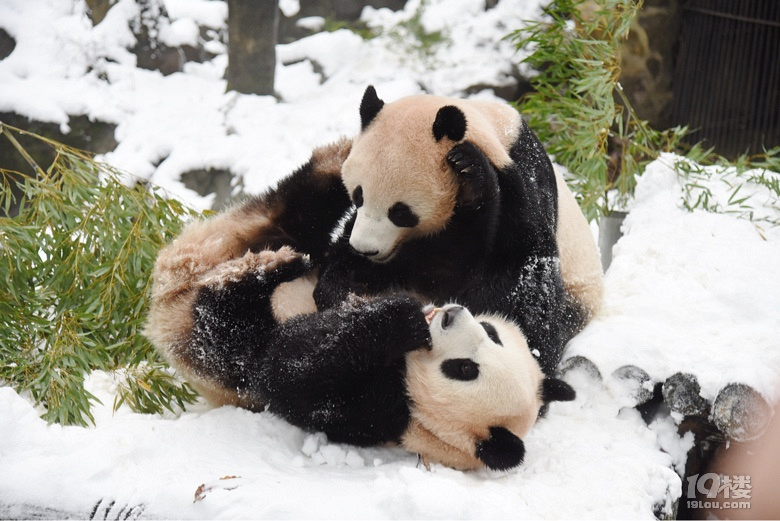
(457, 200)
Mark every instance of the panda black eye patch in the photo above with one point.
(357, 196)
(402, 216)
(461, 369)
(491, 332)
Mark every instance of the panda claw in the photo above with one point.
(462, 161)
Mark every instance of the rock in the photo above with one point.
(98, 9)
(331, 10)
(681, 394)
(579, 364)
(636, 382)
(740, 412)
(7, 44)
(213, 181)
(150, 52)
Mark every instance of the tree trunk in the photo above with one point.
(252, 32)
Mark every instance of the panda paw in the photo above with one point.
(478, 179)
(412, 332)
(275, 266)
(467, 160)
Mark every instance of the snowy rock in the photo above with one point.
(635, 382)
(740, 412)
(289, 7)
(7, 44)
(681, 394)
(149, 27)
(579, 364)
(224, 186)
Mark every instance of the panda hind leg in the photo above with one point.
(232, 322)
(271, 266)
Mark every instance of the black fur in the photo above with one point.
(502, 450)
(369, 106)
(498, 253)
(341, 371)
(230, 323)
(306, 207)
(479, 185)
(402, 216)
(450, 122)
(463, 369)
(555, 390)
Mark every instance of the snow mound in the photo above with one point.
(691, 292)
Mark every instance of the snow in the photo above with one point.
(687, 291)
(206, 13)
(604, 461)
(703, 286)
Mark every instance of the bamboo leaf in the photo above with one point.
(76, 265)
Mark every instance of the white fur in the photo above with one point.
(374, 232)
(580, 260)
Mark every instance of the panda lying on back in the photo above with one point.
(457, 389)
(241, 326)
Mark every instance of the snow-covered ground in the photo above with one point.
(696, 292)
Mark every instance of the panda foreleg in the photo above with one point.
(345, 272)
(538, 303)
(477, 177)
(305, 206)
(347, 343)
(340, 371)
(359, 336)
(479, 200)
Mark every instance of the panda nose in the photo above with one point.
(448, 317)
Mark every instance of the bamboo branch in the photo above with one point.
(27, 157)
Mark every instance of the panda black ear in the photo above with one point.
(451, 122)
(556, 390)
(369, 107)
(502, 450)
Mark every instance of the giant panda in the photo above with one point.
(457, 389)
(233, 311)
(457, 200)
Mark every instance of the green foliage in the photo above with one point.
(748, 187)
(412, 36)
(358, 27)
(578, 107)
(75, 277)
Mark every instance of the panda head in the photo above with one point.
(477, 392)
(397, 172)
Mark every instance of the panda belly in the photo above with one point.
(294, 298)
